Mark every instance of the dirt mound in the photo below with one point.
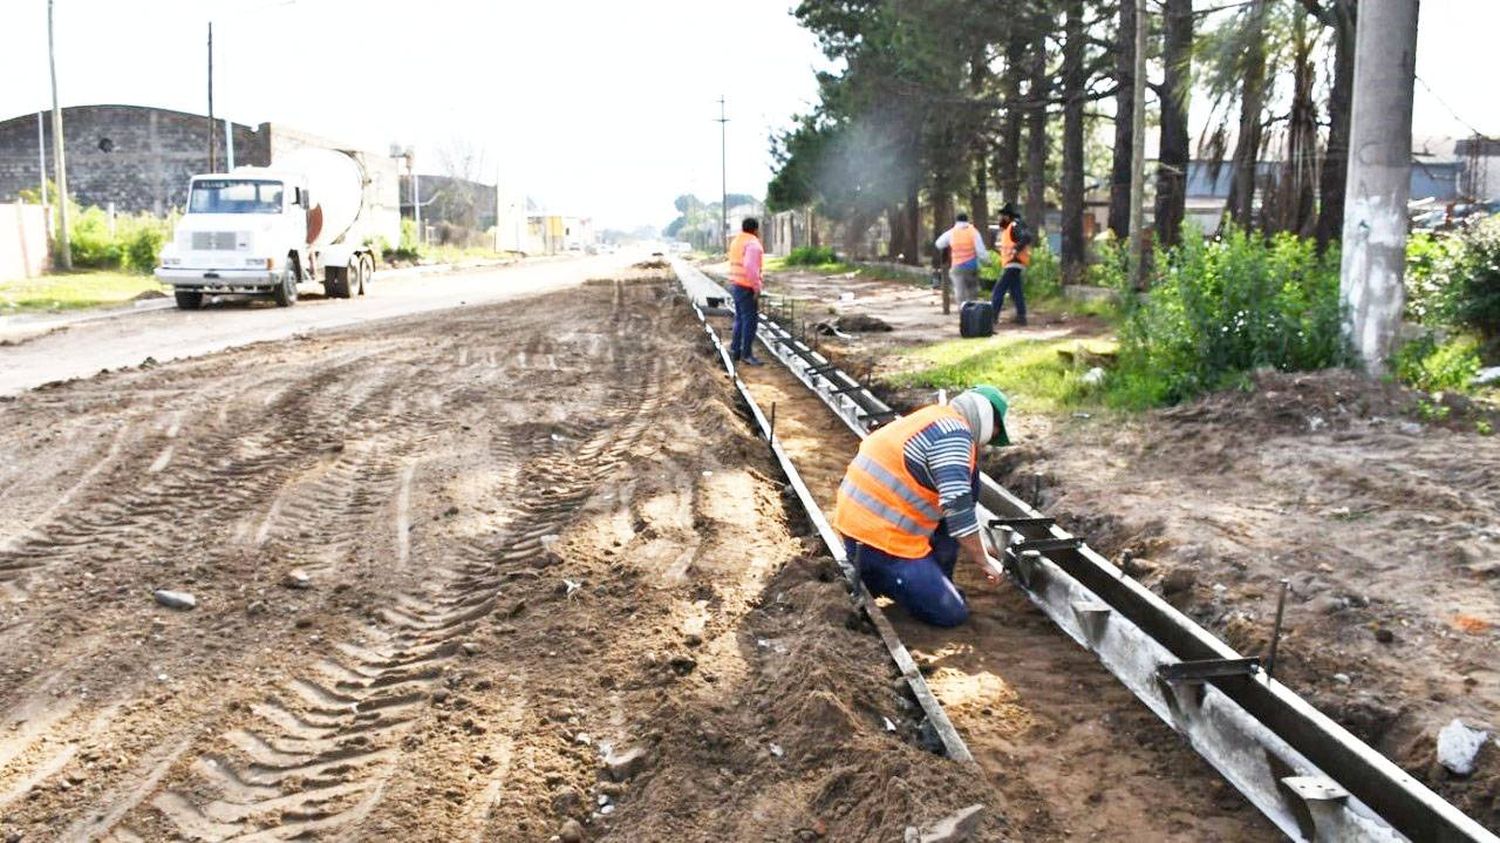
(1296, 402)
(654, 263)
(1378, 508)
(844, 764)
(145, 295)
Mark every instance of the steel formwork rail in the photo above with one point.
(1307, 774)
(952, 743)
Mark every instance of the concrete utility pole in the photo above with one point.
(1138, 153)
(213, 145)
(64, 237)
(1379, 180)
(723, 176)
(41, 152)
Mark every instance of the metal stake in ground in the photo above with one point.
(1276, 630)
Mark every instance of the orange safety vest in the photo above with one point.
(961, 245)
(737, 246)
(880, 503)
(1009, 254)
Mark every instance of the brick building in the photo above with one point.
(141, 158)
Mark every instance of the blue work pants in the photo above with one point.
(1010, 281)
(742, 343)
(923, 587)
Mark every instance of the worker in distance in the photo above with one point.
(906, 505)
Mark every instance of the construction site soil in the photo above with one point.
(516, 572)
(1384, 521)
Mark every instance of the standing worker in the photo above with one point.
(967, 253)
(906, 506)
(1015, 256)
(745, 257)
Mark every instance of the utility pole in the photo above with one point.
(64, 238)
(213, 145)
(723, 177)
(1379, 179)
(1138, 153)
(41, 152)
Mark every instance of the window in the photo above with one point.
(225, 196)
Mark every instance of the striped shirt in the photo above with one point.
(938, 457)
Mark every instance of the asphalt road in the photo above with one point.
(82, 347)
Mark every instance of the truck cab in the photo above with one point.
(243, 233)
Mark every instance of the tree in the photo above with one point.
(1125, 117)
(1339, 17)
(1074, 79)
(1174, 93)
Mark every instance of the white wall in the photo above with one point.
(23, 241)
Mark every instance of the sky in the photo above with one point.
(593, 107)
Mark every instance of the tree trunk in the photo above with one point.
(1008, 162)
(1173, 158)
(1332, 180)
(1119, 179)
(1241, 203)
(1036, 130)
(913, 226)
(979, 199)
(1300, 175)
(942, 217)
(896, 218)
(1074, 78)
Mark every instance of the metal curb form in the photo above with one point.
(953, 744)
(1306, 773)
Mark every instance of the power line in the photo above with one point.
(1454, 114)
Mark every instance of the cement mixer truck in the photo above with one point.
(261, 231)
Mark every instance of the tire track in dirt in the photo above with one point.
(316, 759)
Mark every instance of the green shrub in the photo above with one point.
(811, 256)
(93, 246)
(1111, 266)
(1430, 365)
(1225, 307)
(1454, 279)
(140, 239)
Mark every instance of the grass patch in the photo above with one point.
(1031, 372)
(74, 291)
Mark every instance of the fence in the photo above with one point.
(24, 239)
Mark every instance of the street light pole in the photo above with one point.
(64, 238)
(723, 176)
(213, 145)
(41, 152)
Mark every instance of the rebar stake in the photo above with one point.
(1276, 630)
(771, 439)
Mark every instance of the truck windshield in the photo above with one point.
(224, 196)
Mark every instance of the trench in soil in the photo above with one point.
(1049, 726)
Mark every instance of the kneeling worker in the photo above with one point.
(906, 506)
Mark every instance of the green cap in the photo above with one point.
(997, 400)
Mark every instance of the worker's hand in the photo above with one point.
(972, 548)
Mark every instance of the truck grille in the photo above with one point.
(214, 241)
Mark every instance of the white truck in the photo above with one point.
(261, 231)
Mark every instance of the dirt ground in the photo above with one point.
(1070, 748)
(1387, 527)
(451, 572)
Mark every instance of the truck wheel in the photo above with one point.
(356, 272)
(286, 294)
(367, 274)
(188, 299)
(336, 282)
